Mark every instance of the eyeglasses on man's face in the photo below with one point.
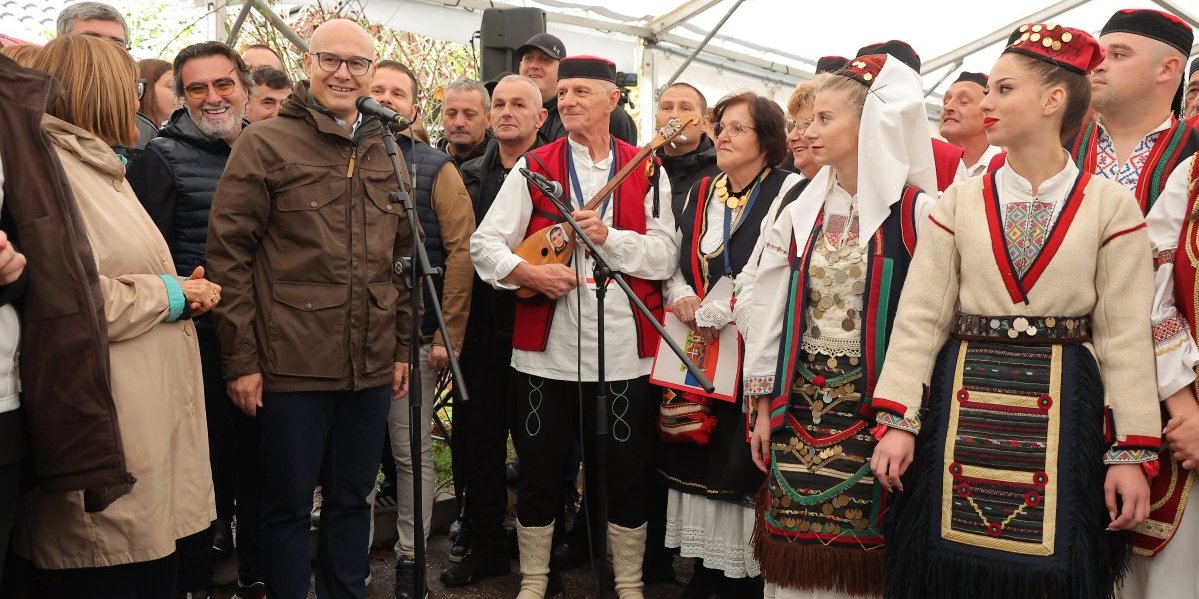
(225, 86)
(330, 62)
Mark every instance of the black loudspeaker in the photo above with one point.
(503, 31)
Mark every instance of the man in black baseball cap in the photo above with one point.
(538, 60)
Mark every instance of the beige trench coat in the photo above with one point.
(156, 385)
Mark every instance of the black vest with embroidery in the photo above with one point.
(742, 240)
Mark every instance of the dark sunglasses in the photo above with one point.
(199, 90)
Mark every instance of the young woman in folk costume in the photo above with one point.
(1166, 543)
(705, 460)
(1035, 284)
(822, 308)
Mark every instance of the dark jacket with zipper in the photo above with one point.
(443, 144)
(686, 170)
(302, 239)
(175, 180)
(66, 396)
(489, 328)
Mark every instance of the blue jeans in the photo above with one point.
(332, 439)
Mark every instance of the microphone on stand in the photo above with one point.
(370, 107)
(548, 187)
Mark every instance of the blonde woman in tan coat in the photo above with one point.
(127, 549)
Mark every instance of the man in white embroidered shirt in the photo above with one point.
(638, 234)
(1138, 140)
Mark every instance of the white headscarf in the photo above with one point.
(894, 149)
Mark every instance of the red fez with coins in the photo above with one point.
(1072, 49)
(1153, 24)
(587, 67)
(864, 69)
(831, 64)
(899, 49)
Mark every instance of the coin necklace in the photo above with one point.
(736, 205)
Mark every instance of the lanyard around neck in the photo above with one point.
(728, 224)
(578, 190)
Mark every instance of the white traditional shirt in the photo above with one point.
(1176, 352)
(978, 168)
(718, 314)
(1108, 166)
(1027, 217)
(652, 256)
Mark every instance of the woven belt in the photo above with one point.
(1023, 330)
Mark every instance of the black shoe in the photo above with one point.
(703, 584)
(740, 588)
(406, 579)
(512, 472)
(511, 545)
(461, 544)
(222, 537)
(569, 555)
(658, 567)
(254, 590)
(480, 563)
(386, 496)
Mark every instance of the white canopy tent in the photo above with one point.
(767, 45)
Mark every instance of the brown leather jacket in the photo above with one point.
(302, 241)
(68, 403)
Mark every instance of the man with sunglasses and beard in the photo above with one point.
(175, 180)
(316, 337)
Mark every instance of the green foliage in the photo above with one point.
(435, 62)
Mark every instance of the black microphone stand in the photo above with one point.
(418, 274)
(604, 273)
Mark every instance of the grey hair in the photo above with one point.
(86, 11)
(526, 80)
(470, 85)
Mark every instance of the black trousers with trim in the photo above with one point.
(544, 419)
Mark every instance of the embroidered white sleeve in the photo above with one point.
(1173, 348)
(713, 315)
(1175, 351)
(677, 288)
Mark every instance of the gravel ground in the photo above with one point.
(579, 584)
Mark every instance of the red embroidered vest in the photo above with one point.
(535, 317)
(1169, 490)
(946, 157)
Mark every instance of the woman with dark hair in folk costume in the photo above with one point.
(1166, 543)
(1035, 283)
(822, 308)
(705, 459)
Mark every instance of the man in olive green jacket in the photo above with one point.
(315, 327)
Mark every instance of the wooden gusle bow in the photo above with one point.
(554, 244)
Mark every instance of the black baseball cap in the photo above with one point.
(550, 44)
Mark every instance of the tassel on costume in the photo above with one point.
(917, 569)
(812, 566)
